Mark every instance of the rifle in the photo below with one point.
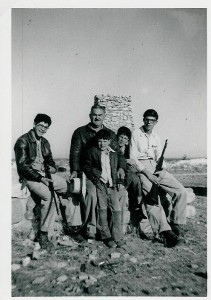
(51, 188)
(152, 196)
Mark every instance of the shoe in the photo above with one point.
(170, 239)
(45, 244)
(74, 232)
(109, 242)
(177, 229)
(120, 243)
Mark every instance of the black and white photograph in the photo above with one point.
(108, 150)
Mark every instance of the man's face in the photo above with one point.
(149, 123)
(97, 117)
(103, 144)
(122, 140)
(40, 128)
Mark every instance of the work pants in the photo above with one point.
(107, 198)
(45, 206)
(175, 189)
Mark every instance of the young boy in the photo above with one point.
(103, 166)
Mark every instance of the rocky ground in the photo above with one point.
(143, 268)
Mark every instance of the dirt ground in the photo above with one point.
(143, 268)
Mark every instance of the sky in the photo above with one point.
(62, 58)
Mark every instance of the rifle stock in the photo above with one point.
(51, 188)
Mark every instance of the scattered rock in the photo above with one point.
(38, 280)
(15, 267)
(115, 255)
(67, 243)
(13, 287)
(126, 255)
(61, 279)
(27, 243)
(92, 278)
(26, 261)
(37, 246)
(101, 274)
(35, 254)
(133, 260)
(82, 276)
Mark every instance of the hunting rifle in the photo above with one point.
(152, 196)
(51, 188)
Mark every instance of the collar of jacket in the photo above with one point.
(90, 128)
(31, 136)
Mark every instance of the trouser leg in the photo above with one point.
(102, 197)
(156, 214)
(114, 205)
(90, 203)
(47, 207)
(179, 198)
(70, 208)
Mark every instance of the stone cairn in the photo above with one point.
(118, 111)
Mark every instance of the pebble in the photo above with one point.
(26, 261)
(13, 287)
(15, 267)
(101, 274)
(133, 259)
(62, 278)
(126, 255)
(35, 254)
(82, 276)
(115, 255)
(194, 266)
(27, 242)
(38, 280)
(37, 246)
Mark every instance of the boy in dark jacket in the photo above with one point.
(103, 166)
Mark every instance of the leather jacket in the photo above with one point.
(83, 139)
(25, 154)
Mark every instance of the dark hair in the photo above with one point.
(124, 131)
(42, 118)
(150, 113)
(95, 106)
(103, 134)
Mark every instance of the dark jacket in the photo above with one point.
(92, 165)
(25, 154)
(83, 139)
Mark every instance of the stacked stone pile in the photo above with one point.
(118, 111)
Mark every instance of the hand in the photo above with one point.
(131, 162)
(46, 181)
(120, 187)
(52, 170)
(121, 174)
(74, 174)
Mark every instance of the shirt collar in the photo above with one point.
(144, 133)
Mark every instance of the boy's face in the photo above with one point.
(123, 140)
(103, 144)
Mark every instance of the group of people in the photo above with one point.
(116, 167)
